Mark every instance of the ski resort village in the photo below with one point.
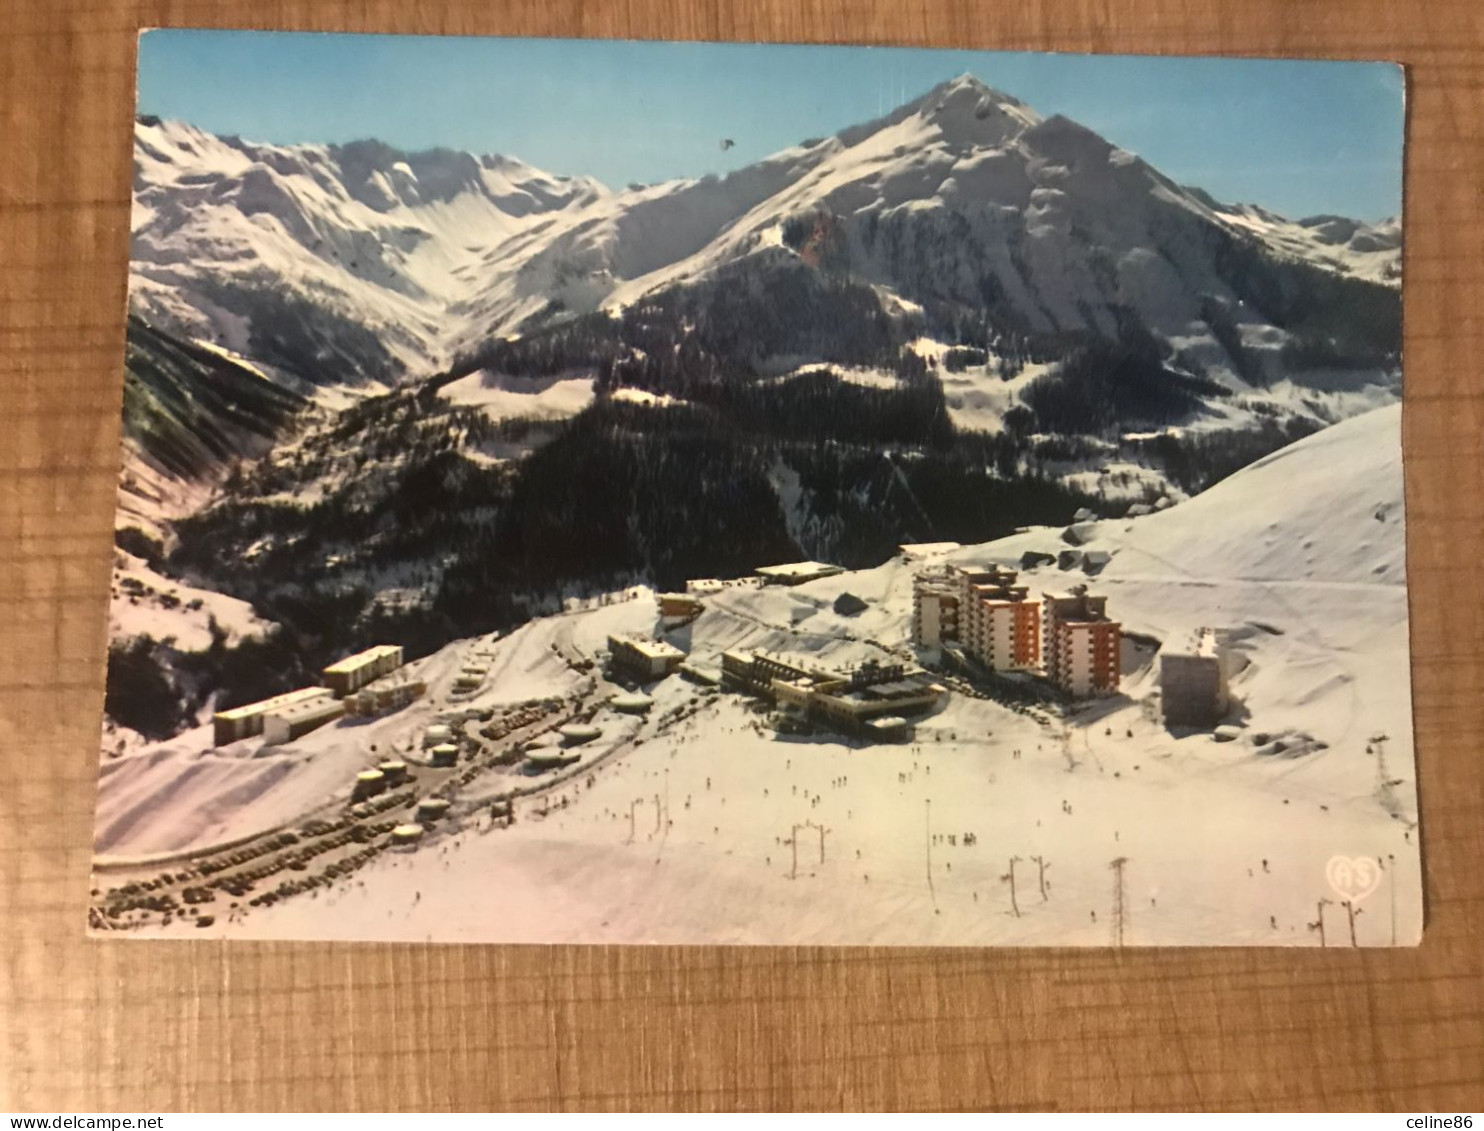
(949, 531)
(946, 747)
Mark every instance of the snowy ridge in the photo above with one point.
(1368, 251)
(979, 186)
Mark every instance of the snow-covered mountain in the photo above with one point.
(484, 412)
(357, 262)
(336, 263)
(961, 198)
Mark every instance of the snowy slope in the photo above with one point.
(146, 603)
(1303, 554)
(1333, 526)
(1369, 251)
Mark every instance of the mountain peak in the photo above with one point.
(966, 79)
(968, 88)
(969, 113)
(965, 111)
(970, 81)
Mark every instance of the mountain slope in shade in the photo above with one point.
(189, 409)
(190, 414)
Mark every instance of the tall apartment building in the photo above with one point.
(934, 609)
(1080, 646)
(984, 611)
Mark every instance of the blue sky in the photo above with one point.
(1299, 137)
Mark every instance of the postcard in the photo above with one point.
(593, 492)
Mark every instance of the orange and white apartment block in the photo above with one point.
(1081, 644)
(983, 611)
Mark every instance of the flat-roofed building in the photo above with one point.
(246, 721)
(285, 724)
(736, 667)
(846, 701)
(390, 693)
(1193, 684)
(1006, 633)
(916, 551)
(677, 608)
(368, 784)
(850, 707)
(1081, 643)
(797, 573)
(934, 610)
(644, 659)
(756, 671)
(354, 672)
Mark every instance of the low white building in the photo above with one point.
(247, 720)
(644, 659)
(917, 551)
(287, 723)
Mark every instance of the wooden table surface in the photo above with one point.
(127, 1026)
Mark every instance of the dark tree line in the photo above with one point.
(1194, 462)
(1361, 318)
(1106, 387)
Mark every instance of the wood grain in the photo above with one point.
(127, 1026)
